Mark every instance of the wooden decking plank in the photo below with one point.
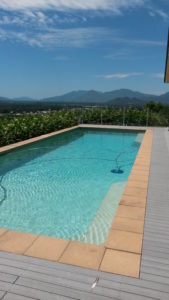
(162, 261)
(132, 282)
(155, 254)
(155, 271)
(159, 232)
(128, 296)
(156, 264)
(156, 249)
(145, 291)
(65, 291)
(159, 221)
(5, 263)
(48, 264)
(155, 236)
(10, 296)
(154, 278)
(24, 274)
(99, 290)
(7, 277)
(2, 294)
(163, 245)
(30, 292)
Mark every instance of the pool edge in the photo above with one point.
(11, 147)
(117, 255)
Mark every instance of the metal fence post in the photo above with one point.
(101, 117)
(147, 119)
(82, 115)
(124, 115)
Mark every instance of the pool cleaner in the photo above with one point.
(118, 169)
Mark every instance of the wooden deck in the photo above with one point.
(26, 278)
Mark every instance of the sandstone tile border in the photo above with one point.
(121, 253)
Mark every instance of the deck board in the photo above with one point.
(27, 278)
(10, 296)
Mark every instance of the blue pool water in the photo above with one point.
(63, 186)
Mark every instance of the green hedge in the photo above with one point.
(15, 128)
(18, 128)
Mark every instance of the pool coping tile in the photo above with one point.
(132, 212)
(137, 177)
(117, 255)
(124, 241)
(16, 242)
(3, 231)
(121, 263)
(49, 248)
(83, 255)
(127, 224)
(133, 201)
(137, 184)
(134, 191)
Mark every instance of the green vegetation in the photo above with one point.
(21, 127)
(15, 128)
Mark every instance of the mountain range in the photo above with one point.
(95, 97)
(122, 97)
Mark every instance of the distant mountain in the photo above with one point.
(66, 97)
(95, 97)
(164, 98)
(23, 99)
(126, 93)
(4, 98)
(127, 102)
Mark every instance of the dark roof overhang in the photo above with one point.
(166, 75)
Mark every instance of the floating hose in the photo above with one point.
(82, 158)
(3, 189)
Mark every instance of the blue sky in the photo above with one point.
(50, 47)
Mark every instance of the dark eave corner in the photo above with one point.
(166, 76)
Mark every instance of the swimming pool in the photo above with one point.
(64, 186)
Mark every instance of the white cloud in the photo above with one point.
(152, 14)
(128, 54)
(49, 37)
(146, 42)
(118, 55)
(160, 13)
(120, 75)
(46, 12)
(40, 24)
(26, 19)
(75, 37)
(158, 75)
(113, 5)
(68, 19)
(129, 74)
(138, 42)
(39, 18)
(8, 20)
